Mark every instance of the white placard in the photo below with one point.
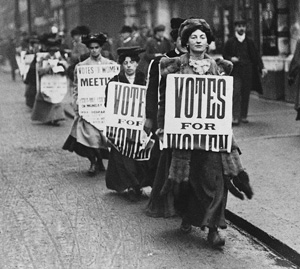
(125, 116)
(92, 81)
(198, 112)
(54, 88)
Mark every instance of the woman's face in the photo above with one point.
(95, 49)
(129, 66)
(198, 42)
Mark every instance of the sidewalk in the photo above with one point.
(270, 146)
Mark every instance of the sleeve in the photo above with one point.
(295, 63)
(115, 78)
(75, 90)
(152, 90)
(149, 53)
(162, 103)
(227, 55)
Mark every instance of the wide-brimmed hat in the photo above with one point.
(124, 52)
(99, 38)
(190, 25)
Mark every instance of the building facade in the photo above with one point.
(273, 24)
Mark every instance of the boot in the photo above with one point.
(92, 169)
(214, 238)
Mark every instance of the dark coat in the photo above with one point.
(153, 87)
(230, 49)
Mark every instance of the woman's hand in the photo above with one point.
(160, 133)
(148, 126)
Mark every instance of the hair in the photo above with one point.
(122, 57)
(187, 33)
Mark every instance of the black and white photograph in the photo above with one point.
(149, 134)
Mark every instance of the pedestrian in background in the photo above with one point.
(11, 54)
(156, 46)
(293, 76)
(85, 139)
(125, 39)
(248, 68)
(78, 49)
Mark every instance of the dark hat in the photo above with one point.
(240, 20)
(191, 25)
(53, 42)
(49, 40)
(99, 38)
(176, 22)
(133, 52)
(83, 29)
(75, 31)
(80, 30)
(34, 39)
(126, 29)
(159, 28)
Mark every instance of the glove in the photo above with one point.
(241, 181)
(232, 189)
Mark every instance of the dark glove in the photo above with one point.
(242, 182)
(232, 189)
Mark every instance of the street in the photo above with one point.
(53, 215)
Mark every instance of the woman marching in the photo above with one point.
(52, 63)
(200, 179)
(85, 139)
(124, 173)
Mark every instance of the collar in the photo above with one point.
(130, 78)
(240, 38)
(127, 39)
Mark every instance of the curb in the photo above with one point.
(276, 245)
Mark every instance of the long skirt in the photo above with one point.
(123, 172)
(203, 204)
(47, 112)
(161, 205)
(30, 93)
(84, 138)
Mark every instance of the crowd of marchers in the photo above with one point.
(191, 184)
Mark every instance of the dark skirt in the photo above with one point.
(123, 172)
(30, 93)
(72, 145)
(47, 112)
(204, 201)
(161, 205)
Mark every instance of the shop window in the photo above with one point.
(269, 27)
